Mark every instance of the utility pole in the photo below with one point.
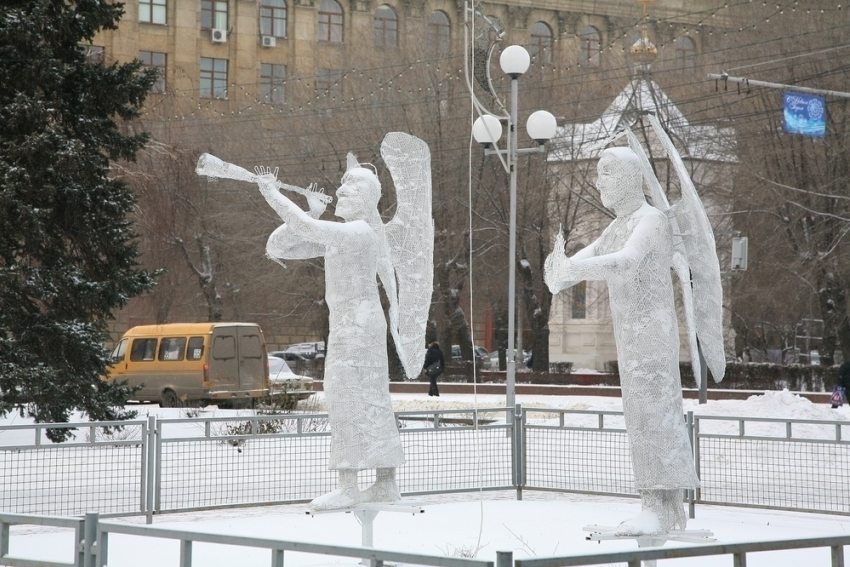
(753, 83)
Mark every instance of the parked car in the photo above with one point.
(308, 350)
(283, 381)
(288, 356)
(482, 358)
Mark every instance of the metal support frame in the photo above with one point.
(366, 514)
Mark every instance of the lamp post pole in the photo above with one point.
(487, 130)
(510, 379)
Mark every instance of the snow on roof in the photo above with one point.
(573, 142)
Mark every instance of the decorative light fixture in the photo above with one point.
(487, 130)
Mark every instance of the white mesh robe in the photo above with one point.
(356, 382)
(633, 256)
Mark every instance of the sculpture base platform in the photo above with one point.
(366, 514)
(600, 533)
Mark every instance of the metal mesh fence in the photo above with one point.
(208, 462)
(284, 458)
(454, 455)
(104, 473)
(777, 471)
(581, 453)
(255, 459)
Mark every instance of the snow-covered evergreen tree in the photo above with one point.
(68, 257)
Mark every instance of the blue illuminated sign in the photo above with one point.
(804, 114)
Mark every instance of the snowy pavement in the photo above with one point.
(542, 524)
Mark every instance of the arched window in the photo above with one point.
(590, 47)
(273, 18)
(330, 21)
(386, 27)
(541, 42)
(439, 33)
(685, 54)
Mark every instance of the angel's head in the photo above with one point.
(620, 180)
(357, 197)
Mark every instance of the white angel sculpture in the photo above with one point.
(634, 255)
(364, 433)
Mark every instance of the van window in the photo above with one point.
(119, 351)
(172, 348)
(196, 348)
(143, 349)
(251, 347)
(224, 347)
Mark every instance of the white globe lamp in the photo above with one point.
(541, 126)
(487, 130)
(514, 61)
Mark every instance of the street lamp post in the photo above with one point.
(487, 130)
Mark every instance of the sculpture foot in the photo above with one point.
(385, 488)
(346, 496)
(338, 499)
(645, 523)
(662, 511)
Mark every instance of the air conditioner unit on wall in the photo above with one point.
(268, 41)
(218, 36)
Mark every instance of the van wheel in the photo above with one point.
(170, 400)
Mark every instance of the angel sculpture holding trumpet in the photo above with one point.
(364, 433)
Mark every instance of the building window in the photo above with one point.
(152, 11)
(439, 33)
(214, 14)
(578, 301)
(329, 82)
(685, 54)
(273, 18)
(272, 80)
(386, 27)
(541, 42)
(590, 47)
(213, 78)
(330, 21)
(155, 60)
(93, 54)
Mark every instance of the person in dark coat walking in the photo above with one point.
(434, 366)
(843, 383)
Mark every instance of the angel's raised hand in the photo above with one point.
(265, 175)
(317, 205)
(557, 264)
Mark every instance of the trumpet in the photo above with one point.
(214, 167)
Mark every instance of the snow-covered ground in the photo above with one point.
(543, 524)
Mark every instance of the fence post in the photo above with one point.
(151, 484)
(837, 553)
(697, 492)
(519, 450)
(691, 504)
(90, 539)
(504, 558)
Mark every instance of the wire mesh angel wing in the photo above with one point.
(680, 255)
(698, 238)
(410, 235)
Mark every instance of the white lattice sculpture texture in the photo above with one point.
(364, 434)
(634, 256)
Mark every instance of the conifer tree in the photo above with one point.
(68, 256)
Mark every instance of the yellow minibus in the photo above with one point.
(195, 364)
